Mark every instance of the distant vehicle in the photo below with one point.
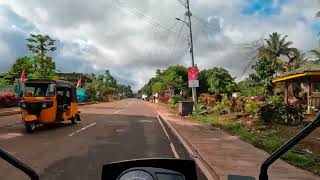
(144, 97)
(47, 102)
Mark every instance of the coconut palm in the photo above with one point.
(295, 61)
(277, 46)
(316, 52)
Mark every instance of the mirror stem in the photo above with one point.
(18, 164)
(284, 148)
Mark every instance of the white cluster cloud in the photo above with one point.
(99, 35)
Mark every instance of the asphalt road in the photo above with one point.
(108, 132)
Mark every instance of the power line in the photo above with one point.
(204, 23)
(179, 34)
(182, 3)
(142, 16)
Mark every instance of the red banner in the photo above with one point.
(22, 77)
(193, 73)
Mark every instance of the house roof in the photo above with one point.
(308, 70)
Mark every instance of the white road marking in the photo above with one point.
(171, 145)
(145, 121)
(120, 130)
(82, 129)
(10, 135)
(116, 112)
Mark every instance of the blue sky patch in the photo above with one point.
(315, 27)
(263, 7)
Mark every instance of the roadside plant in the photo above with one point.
(252, 107)
(281, 114)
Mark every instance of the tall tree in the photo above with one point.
(264, 71)
(296, 61)
(23, 63)
(270, 60)
(40, 46)
(217, 80)
(174, 78)
(276, 46)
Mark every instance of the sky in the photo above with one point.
(92, 36)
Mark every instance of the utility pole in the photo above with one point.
(194, 89)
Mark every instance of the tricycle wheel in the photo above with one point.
(78, 117)
(74, 120)
(30, 127)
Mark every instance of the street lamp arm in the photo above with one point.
(182, 21)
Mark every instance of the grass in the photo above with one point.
(268, 139)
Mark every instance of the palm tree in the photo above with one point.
(277, 46)
(295, 61)
(316, 52)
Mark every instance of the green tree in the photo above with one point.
(270, 60)
(217, 80)
(40, 46)
(277, 46)
(158, 87)
(174, 78)
(147, 88)
(24, 63)
(107, 84)
(248, 87)
(316, 52)
(264, 71)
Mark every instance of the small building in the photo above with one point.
(302, 86)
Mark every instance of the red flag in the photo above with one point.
(79, 83)
(22, 77)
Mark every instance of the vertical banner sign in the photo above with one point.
(193, 77)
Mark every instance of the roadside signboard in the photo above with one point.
(193, 77)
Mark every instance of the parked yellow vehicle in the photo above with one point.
(47, 102)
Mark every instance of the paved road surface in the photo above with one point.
(108, 132)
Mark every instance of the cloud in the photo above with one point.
(103, 35)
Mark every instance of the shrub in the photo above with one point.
(238, 104)
(175, 99)
(275, 99)
(219, 109)
(209, 100)
(281, 113)
(252, 107)
(223, 107)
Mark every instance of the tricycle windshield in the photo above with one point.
(39, 89)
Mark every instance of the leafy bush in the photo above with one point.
(175, 99)
(281, 113)
(252, 107)
(219, 109)
(275, 99)
(238, 104)
(223, 107)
